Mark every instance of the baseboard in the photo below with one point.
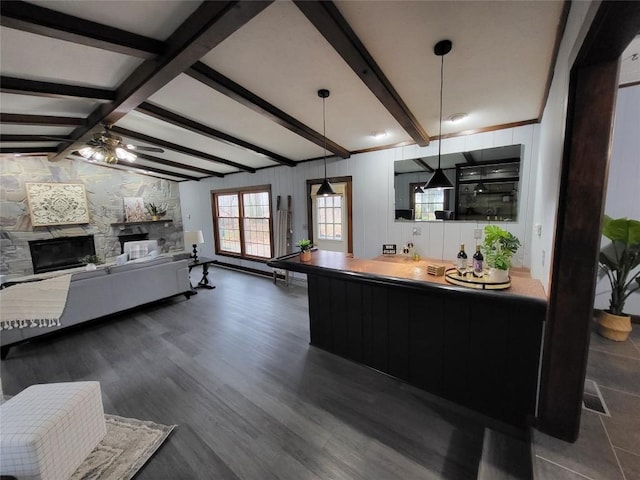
(241, 268)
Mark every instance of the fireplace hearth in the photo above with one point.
(60, 253)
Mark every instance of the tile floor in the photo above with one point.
(608, 447)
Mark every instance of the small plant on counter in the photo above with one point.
(304, 245)
(88, 259)
(499, 247)
(156, 210)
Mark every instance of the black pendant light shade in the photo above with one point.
(326, 188)
(439, 179)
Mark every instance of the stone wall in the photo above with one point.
(106, 188)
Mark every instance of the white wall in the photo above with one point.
(623, 187)
(552, 133)
(373, 198)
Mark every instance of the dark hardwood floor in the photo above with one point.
(232, 367)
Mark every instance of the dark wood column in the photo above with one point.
(592, 95)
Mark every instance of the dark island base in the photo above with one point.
(478, 351)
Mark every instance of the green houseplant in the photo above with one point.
(305, 249)
(156, 211)
(498, 249)
(619, 261)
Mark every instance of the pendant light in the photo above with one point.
(481, 187)
(439, 179)
(326, 188)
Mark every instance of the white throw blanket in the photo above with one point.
(34, 304)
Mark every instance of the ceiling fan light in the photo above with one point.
(438, 180)
(123, 154)
(326, 189)
(86, 152)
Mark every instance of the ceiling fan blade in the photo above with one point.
(144, 149)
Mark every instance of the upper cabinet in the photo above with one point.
(488, 191)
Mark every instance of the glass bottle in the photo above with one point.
(478, 261)
(461, 261)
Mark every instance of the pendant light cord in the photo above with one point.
(440, 131)
(324, 134)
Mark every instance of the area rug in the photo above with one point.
(128, 445)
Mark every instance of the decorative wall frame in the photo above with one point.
(134, 209)
(57, 204)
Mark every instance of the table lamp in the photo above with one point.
(194, 238)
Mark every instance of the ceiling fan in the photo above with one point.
(109, 148)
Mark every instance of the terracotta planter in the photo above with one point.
(155, 218)
(305, 256)
(614, 327)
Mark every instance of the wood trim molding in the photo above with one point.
(562, 25)
(349, 193)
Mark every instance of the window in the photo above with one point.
(330, 217)
(425, 204)
(242, 220)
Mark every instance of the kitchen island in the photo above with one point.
(478, 348)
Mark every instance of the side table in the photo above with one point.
(204, 281)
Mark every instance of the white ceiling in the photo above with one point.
(497, 73)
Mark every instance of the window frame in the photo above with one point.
(241, 191)
(446, 195)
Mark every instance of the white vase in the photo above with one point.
(90, 266)
(498, 276)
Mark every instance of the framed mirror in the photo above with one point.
(486, 186)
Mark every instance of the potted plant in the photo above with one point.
(305, 250)
(619, 261)
(156, 211)
(91, 261)
(498, 249)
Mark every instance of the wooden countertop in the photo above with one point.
(402, 268)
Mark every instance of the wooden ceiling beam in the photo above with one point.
(469, 158)
(328, 20)
(206, 27)
(22, 86)
(32, 18)
(141, 170)
(228, 87)
(43, 120)
(179, 148)
(423, 164)
(27, 150)
(7, 137)
(193, 126)
(184, 166)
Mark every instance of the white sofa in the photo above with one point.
(112, 289)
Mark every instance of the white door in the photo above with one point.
(329, 215)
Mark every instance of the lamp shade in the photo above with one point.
(326, 188)
(438, 180)
(193, 237)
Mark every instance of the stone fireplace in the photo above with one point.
(60, 253)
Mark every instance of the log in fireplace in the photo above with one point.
(60, 253)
